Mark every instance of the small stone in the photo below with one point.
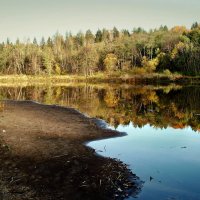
(119, 189)
(3, 131)
(151, 178)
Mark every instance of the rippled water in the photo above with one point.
(162, 123)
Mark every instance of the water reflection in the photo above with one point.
(167, 160)
(173, 106)
(162, 122)
(1, 106)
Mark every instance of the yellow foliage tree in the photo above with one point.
(150, 65)
(180, 47)
(110, 62)
(179, 29)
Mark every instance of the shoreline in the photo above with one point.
(43, 155)
(96, 79)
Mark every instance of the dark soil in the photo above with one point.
(42, 156)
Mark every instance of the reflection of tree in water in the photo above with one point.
(1, 106)
(158, 106)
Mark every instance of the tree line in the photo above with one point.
(137, 52)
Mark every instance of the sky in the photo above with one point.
(36, 18)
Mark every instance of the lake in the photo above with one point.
(162, 145)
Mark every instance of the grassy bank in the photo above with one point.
(98, 78)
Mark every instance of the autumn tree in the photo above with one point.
(48, 60)
(110, 62)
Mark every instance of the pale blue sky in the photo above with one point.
(29, 18)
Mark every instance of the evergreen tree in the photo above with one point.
(89, 36)
(98, 36)
(194, 25)
(115, 33)
(42, 43)
(35, 41)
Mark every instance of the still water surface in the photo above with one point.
(162, 123)
(167, 160)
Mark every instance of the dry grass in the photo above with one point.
(131, 76)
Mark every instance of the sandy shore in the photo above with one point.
(42, 156)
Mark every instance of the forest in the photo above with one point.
(162, 50)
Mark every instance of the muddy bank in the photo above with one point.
(42, 156)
